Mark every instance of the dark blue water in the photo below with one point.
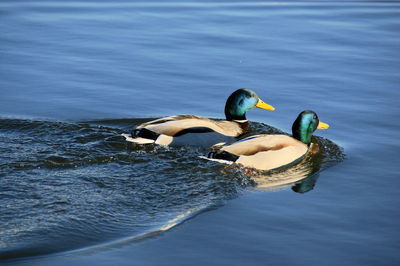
(74, 75)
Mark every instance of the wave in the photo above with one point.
(79, 185)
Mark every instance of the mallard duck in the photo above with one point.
(267, 152)
(167, 130)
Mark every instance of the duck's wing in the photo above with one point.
(183, 124)
(260, 143)
(272, 159)
(264, 152)
(169, 119)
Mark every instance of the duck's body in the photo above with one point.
(267, 152)
(167, 130)
(264, 152)
(190, 129)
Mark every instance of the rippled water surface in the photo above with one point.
(75, 75)
(72, 185)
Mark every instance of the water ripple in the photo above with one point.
(67, 186)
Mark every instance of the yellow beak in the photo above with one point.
(263, 105)
(322, 125)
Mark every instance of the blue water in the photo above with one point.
(74, 75)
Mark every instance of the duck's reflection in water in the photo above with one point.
(301, 176)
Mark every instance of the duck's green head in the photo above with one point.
(305, 124)
(242, 100)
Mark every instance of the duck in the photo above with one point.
(190, 129)
(269, 152)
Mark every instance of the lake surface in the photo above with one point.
(75, 75)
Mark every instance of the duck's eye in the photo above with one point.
(315, 117)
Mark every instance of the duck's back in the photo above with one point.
(266, 152)
(182, 124)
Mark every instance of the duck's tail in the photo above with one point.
(145, 136)
(138, 140)
(223, 155)
(216, 160)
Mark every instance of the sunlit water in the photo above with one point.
(76, 75)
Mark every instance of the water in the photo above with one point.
(75, 75)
